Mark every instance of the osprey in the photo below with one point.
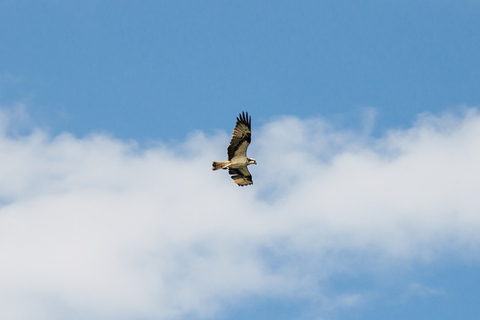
(237, 152)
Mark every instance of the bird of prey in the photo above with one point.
(237, 152)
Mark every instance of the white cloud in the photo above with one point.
(98, 228)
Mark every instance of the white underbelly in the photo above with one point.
(238, 162)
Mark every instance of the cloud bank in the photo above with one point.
(99, 228)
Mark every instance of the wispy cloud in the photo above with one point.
(97, 227)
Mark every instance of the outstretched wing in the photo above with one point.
(241, 176)
(240, 137)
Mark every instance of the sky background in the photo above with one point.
(365, 128)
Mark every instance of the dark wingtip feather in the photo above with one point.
(245, 118)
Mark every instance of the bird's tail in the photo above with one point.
(219, 165)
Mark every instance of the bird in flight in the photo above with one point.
(237, 152)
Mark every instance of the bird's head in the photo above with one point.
(252, 161)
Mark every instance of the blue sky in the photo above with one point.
(365, 130)
(126, 67)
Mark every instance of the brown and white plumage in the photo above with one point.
(237, 152)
